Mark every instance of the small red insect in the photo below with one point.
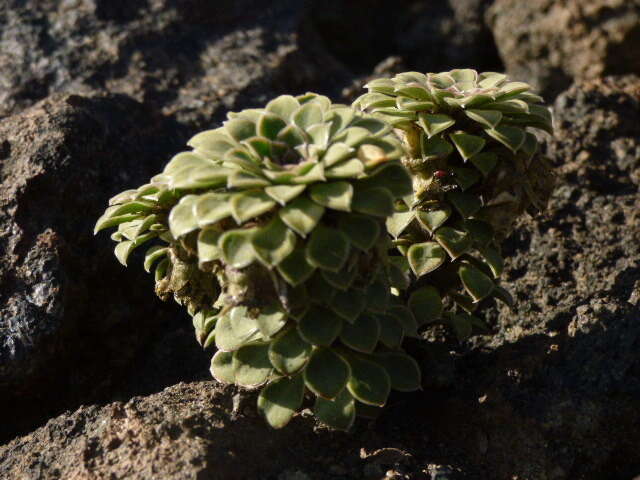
(440, 173)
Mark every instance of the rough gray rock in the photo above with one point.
(196, 59)
(191, 59)
(550, 43)
(552, 396)
(66, 308)
(567, 358)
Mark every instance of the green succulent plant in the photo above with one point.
(271, 233)
(473, 157)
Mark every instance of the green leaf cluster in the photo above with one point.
(472, 151)
(308, 240)
(271, 232)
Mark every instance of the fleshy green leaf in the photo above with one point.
(433, 124)
(210, 208)
(476, 283)
(237, 248)
(466, 177)
(413, 105)
(381, 85)
(369, 382)
(376, 100)
(280, 399)
(323, 292)
(376, 201)
(392, 176)
(247, 205)
(273, 242)
(334, 195)
(244, 180)
(511, 137)
(414, 90)
(260, 146)
(398, 277)
(283, 194)
(302, 215)
(493, 258)
(340, 118)
(307, 115)
(328, 248)
(435, 147)
(403, 371)
(376, 127)
(377, 296)
(339, 413)
(326, 373)
(289, 353)
(426, 305)
(425, 257)
(398, 222)
(270, 124)
(487, 118)
(222, 367)
(124, 249)
(270, 321)
(251, 365)
(284, 106)
(214, 142)
(295, 269)
(292, 136)
(108, 221)
(481, 232)
(348, 305)
(341, 280)
(336, 153)
(353, 136)
(363, 232)
(319, 134)
(433, 219)
(503, 295)
(152, 255)
(467, 145)
(348, 169)
(182, 219)
(208, 249)
(455, 242)
(362, 335)
(240, 128)
(485, 162)
(466, 204)
(391, 332)
(405, 318)
(491, 79)
(320, 326)
(227, 340)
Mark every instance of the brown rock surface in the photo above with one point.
(550, 43)
(67, 309)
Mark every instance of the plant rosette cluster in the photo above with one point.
(271, 231)
(473, 157)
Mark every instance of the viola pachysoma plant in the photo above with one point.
(271, 232)
(473, 157)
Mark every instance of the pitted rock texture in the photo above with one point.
(66, 308)
(550, 43)
(192, 59)
(196, 59)
(570, 349)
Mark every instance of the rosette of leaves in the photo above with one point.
(282, 210)
(472, 152)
